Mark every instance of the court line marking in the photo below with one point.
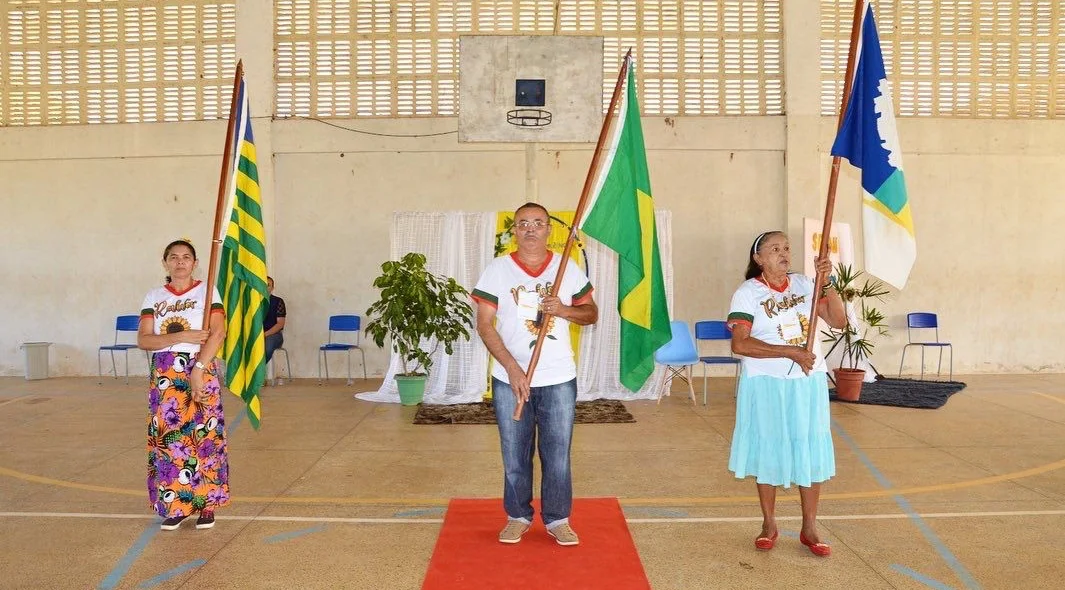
(11, 401)
(293, 534)
(141, 544)
(1046, 395)
(635, 501)
(926, 531)
(690, 501)
(931, 583)
(678, 520)
(151, 582)
(119, 571)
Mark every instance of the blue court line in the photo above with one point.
(134, 552)
(920, 578)
(293, 534)
(236, 421)
(418, 512)
(929, 535)
(170, 574)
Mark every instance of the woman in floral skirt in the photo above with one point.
(187, 467)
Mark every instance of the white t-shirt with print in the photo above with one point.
(175, 311)
(776, 317)
(516, 292)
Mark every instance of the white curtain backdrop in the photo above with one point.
(460, 245)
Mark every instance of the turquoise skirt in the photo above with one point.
(783, 432)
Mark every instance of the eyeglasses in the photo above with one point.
(534, 224)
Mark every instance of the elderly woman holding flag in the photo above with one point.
(187, 466)
(783, 434)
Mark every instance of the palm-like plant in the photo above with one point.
(857, 340)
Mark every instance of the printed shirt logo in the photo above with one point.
(174, 324)
(773, 307)
(161, 308)
(533, 326)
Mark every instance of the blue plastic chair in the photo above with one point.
(341, 323)
(678, 355)
(124, 324)
(926, 321)
(714, 330)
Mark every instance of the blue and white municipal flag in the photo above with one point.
(870, 141)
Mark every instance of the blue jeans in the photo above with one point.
(550, 410)
(273, 342)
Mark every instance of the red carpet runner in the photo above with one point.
(469, 555)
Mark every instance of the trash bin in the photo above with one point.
(36, 359)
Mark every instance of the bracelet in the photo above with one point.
(829, 284)
(202, 367)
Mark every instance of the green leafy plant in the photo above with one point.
(858, 341)
(416, 305)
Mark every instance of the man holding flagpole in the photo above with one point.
(513, 299)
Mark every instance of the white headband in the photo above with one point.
(758, 240)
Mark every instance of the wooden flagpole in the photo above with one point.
(592, 170)
(223, 185)
(833, 178)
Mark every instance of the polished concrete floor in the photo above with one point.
(335, 492)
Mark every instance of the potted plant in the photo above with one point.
(857, 338)
(417, 306)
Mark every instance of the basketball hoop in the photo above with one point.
(529, 118)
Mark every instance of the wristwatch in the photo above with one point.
(201, 366)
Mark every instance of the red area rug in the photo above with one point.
(468, 553)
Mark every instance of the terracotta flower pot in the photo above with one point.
(849, 383)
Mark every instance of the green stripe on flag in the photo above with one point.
(621, 217)
(242, 283)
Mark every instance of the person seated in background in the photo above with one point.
(274, 322)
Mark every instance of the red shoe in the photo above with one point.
(818, 549)
(766, 543)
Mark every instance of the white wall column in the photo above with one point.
(255, 46)
(802, 106)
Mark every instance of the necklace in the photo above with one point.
(783, 286)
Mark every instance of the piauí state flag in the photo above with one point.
(621, 216)
(870, 141)
(242, 272)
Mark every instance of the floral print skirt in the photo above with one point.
(187, 466)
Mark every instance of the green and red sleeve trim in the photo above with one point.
(483, 297)
(583, 296)
(737, 317)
